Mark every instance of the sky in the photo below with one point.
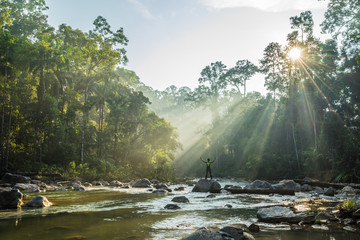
(171, 41)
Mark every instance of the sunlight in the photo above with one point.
(295, 53)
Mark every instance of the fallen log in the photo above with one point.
(267, 191)
(326, 184)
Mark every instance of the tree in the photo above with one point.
(211, 84)
(239, 74)
(273, 65)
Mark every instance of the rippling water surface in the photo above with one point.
(114, 213)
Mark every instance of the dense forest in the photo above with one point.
(70, 106)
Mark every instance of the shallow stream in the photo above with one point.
(116, 213)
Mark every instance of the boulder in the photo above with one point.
(288, 185)
(96, 183)
(87, 184)
(27, 187)
(179, 189)
(306, 188)
(259, 184)
(330, 191)
(116, 183)
(205, 234)
(104, 183)
(78, 187)
(161, 191)
(323, 216)
(234, 232)
(282, 214)
(14, 178)
(143, 183)
(348, 189)
(11, 199)
(181, 199)
(318, 190)
(172, 206)
(254, 228)
(38, 202)
(163, 186)
(356, 214)
(204, 185)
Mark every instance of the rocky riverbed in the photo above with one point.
(165, 211)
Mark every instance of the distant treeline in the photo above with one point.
(308, 124)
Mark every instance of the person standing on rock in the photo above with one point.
(208, 169)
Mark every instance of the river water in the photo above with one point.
(115, 213)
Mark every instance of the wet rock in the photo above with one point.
(204, 185)
(154, 181)
(234, 232)
(87, 184)
(348, 189)
(254, 228)
(248, 236)
(356, 214)
(330, 191)
(211, 196)
(115, 183)
(324, 217)
(307, 179)
(282, 214)
(15, 178)
(306, 188)
(318, 190)
(27, 187)
(228, 206)
(287, 185)
(350, 229)
(349, 221)
(96, 183)
(104, 183)
(11, 199)
(179, 189)
(78, 187)
(143, 183)
(259, 184)
(38, 202)
(320, 227)
(163, 186)
(181, 199)
(205, 234)
(160, 191)
(172, 206)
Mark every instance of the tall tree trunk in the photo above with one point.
(2, 134)
(8, 139)
(244, 88)
(84, 125)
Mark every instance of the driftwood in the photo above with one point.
(237, 190)
(326, 184)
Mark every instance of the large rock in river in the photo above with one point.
(14, 178)
(204, 234)
(282, 214)
(39, 201)
(259, 184)
(27, 187)
(204, 185)
(11, 199)
(287, 185)
(143, 183)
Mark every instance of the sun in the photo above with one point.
(295, 53)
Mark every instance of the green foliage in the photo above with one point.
(349, 205)
(66, 108)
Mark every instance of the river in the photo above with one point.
(116, 213)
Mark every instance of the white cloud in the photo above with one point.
(142, 9)
(267, 5)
